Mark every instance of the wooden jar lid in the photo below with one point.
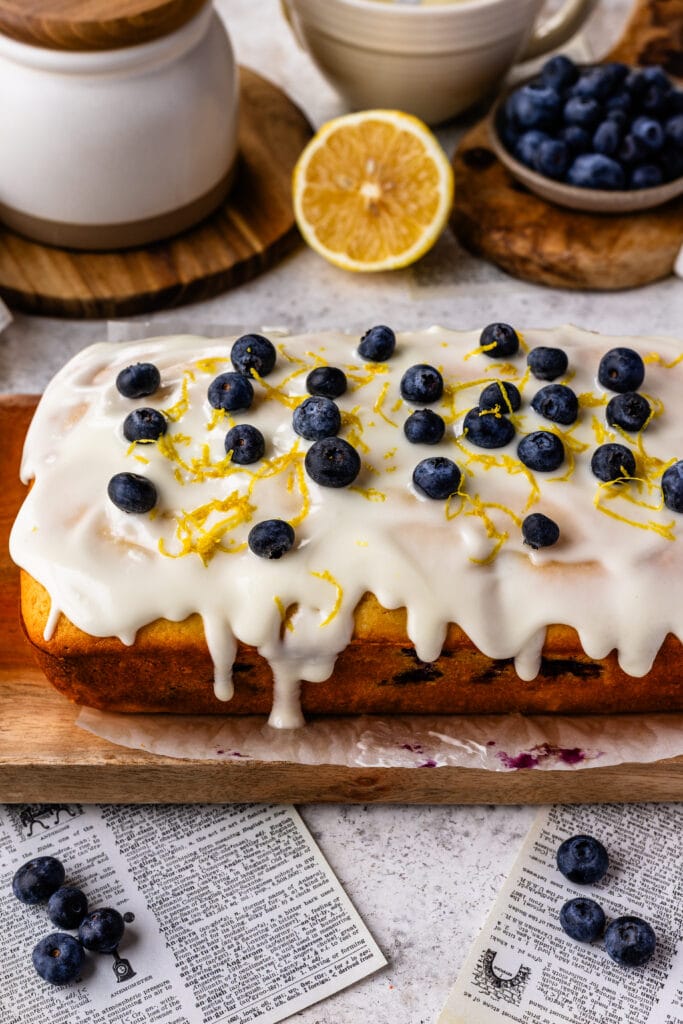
(93, 24)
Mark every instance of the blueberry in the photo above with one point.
(672, 487)
(332, 462)
(316, 417)
(424, 427)
(422, 383)
(541, 451)
(656, 76)
(636, 85)
(646, 176)
(559, 72)
(582, 919)
(377, 344)
(649, 132)
(620, 119)
(598, 83)
(606, 138)
(552, 158)
(621, 369)
(327, 381)
(487, 429)
(576, 138)
(58, 958)
(556, 402)
(612, 462)
(593, 170)
(621, 102)
(674, 103)
(138, 380)
(132, 493)
(253, 352)
(67, 907)
(537, 105)
(437, 477)
(582, 859)
(101, 930)
(654, 102)
(37, 879)
(540, 531)
(583, 111)
(499, 340)
(246, 444)
(230, 391)
(547, 363)
(144, 425)
(271, 538)
(500, 395)
(629, 411)
(630, 941)
(632, 151)
(526, 148)
(674, 130)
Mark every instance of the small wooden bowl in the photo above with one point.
(592, 200)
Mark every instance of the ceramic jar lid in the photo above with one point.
(88, 25)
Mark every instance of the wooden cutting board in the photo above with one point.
(498, 218)
(46, 758)
(250, 232)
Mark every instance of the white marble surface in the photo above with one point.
(423, 878)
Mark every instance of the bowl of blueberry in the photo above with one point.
(606, 138)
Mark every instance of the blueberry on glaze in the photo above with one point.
(422, 384)
(246, 444)
(582, 859)
(424, 427)
(582, 919)
(138, 380)
(499, 340)
(230, 391)
(547, 363)
(541, 451)
(253, 352)
(316, 417)
(37, 879)
(500, 395)
(132, 493)
(540, 531)
(271, 538)
(101, 930)
(326, 381)
(378, 344)
(556, 402)
(58, 958)
(67, 907)
(612, 462)
(630, 941)
(332, 462)
(487, 429)
(621, 369)
(437, 477)
(630, 411)
(672, 487)
(144, 425)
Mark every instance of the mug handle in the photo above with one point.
(559, 28)
(284, 7)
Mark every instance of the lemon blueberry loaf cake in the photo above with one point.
(435, 521)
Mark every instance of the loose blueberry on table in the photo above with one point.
(630, 941)
(101, 930)
(603, 127)
(582, 859)
(37, 879)
(67, 907)
(582, 919)
(58, 958)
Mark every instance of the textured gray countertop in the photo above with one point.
(423, 878)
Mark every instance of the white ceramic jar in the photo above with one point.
(111, 148)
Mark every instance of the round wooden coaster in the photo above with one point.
(252, 230)
(498, 218)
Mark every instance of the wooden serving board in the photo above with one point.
(46, 758)
(498, 218)
(251, 231)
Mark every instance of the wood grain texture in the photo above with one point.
(498, 218)
(93, 24)
(253, 229)
(44, 757)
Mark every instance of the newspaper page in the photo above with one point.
(523, 968)
(233, 915)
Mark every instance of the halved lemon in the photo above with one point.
(373, 190)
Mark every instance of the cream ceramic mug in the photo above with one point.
(433, 59)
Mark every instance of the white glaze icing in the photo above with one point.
(620, 586)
